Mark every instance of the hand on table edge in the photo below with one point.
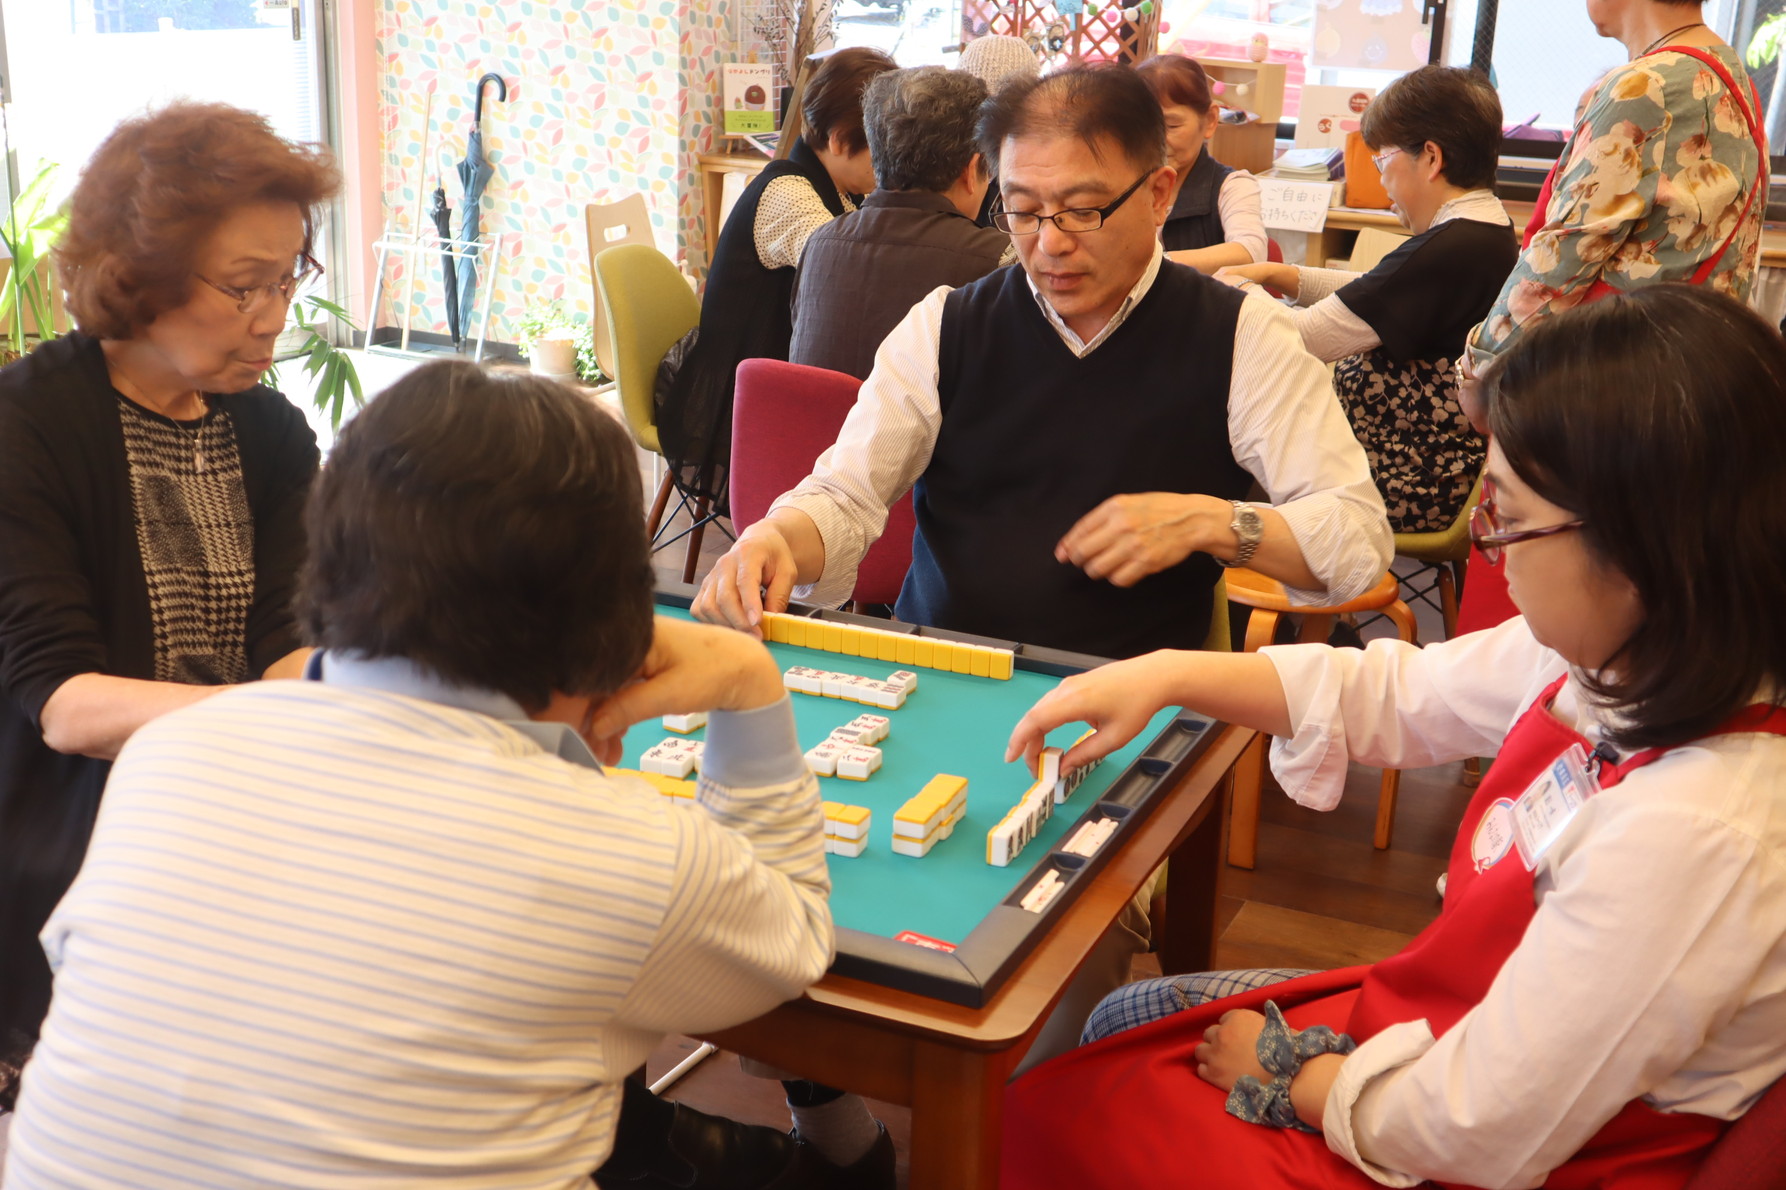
(1119, 699)
(760, 571)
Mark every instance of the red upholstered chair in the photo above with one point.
(1752, 1155)
(783, 417)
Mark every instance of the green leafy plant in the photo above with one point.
(328, 365)
(31, 228)
(1764, 46)
(551, 320)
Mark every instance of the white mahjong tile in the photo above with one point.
(823, 759)
(858, 763)
(874, 728)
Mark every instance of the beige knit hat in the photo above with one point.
(995, 58)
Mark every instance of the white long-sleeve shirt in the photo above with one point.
(1654, 966)
(1284, 425)
(337, 935)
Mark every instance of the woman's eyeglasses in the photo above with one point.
(1491, 539)
(256, 297)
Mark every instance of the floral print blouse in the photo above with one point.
(1652, 184)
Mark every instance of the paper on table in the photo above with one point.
(1287, 205)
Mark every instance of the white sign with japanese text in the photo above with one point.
(1289, 205)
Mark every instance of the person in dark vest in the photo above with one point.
(1079, 433)
(1396, 331)
(1215, 218)
(864, 272)
(1600, 993)
(745, 310)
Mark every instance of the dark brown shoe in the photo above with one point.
(873, 1170)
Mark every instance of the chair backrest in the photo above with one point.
(608, 226)
(1752, 1154)
(783, 417)
(1221, 627)
(1451, 544)
(649, 306)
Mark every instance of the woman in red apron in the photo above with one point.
(1664, 179)
(1605, 985)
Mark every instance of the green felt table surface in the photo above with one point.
(953, 723)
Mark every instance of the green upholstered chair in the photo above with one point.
(649, 306)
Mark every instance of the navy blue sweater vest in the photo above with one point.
(1033, 438)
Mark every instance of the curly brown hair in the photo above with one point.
(152, 192)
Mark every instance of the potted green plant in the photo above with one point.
(33, 223)
(331, 367)
(556, 342)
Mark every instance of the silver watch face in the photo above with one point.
(1248, 525)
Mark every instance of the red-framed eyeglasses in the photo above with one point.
(1490, 539)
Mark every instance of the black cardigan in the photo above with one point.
(746, 313)
(73, 600)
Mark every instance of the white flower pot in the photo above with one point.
(552, 357)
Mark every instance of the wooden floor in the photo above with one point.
(1320, 896)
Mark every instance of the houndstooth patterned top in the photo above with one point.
(196, 535)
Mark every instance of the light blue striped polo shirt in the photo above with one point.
(362, 932)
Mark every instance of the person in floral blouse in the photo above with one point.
(1659, 181)
(1664, 179)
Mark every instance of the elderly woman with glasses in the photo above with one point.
(151, 488)
(1600, 995)
(1395, 332)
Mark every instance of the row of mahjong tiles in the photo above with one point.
(952, 723)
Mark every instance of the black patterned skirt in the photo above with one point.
(1424, 455)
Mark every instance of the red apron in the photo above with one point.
(1130, 1110)
(1486, 601)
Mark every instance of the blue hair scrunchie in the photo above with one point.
(1282, 1052)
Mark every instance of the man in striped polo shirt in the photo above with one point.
(396, 925)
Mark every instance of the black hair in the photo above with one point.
(1098, 103)
(1451, 106)
(1659, 419)
(487, 526)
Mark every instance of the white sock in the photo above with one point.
(841, 1130)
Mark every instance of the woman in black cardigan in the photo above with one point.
(746, 311)
(151, 489)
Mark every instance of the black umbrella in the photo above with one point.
(474, 174)
(443, 223)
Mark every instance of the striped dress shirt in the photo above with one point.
(364, 932)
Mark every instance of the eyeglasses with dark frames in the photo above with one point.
(1491, 540)
(256, 297)
(1075, 219)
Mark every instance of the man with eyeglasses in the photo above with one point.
(1078, 434)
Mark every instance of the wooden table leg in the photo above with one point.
(958, 1104)
(1187, 936)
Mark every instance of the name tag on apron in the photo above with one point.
(1546, 807)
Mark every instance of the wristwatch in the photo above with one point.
(1250, 528)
